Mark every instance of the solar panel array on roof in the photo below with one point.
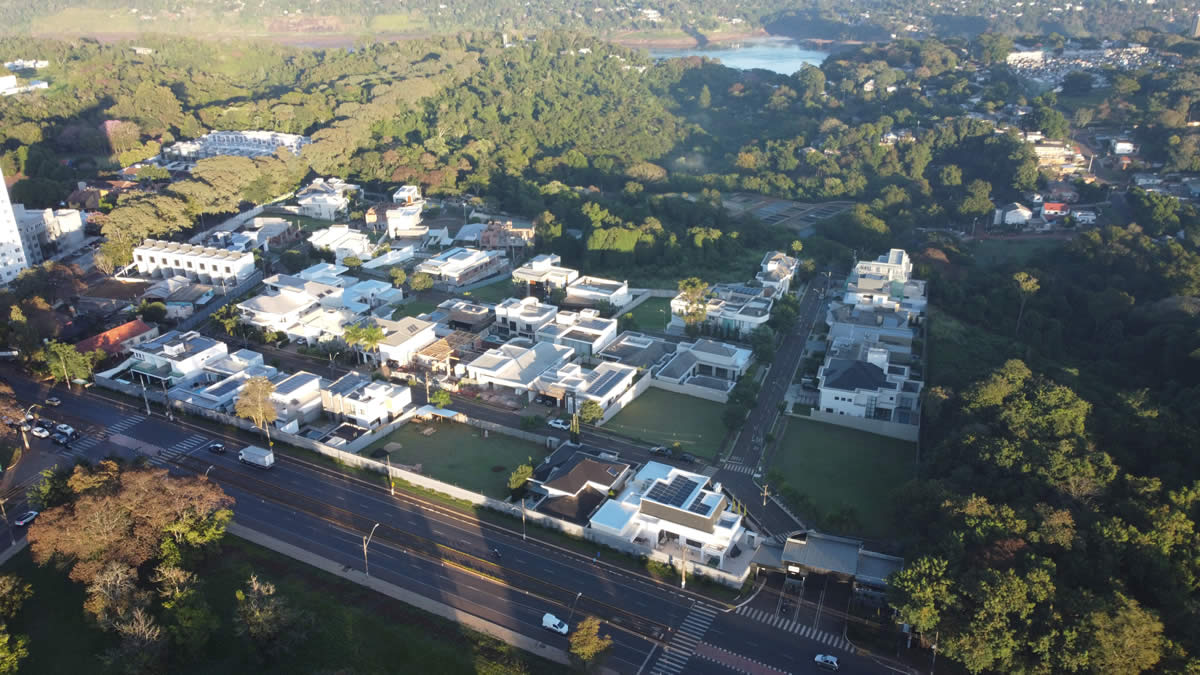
(673, 493)
(700, 507)
(605, 383)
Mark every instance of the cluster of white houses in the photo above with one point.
(872, 368)
(738, 309)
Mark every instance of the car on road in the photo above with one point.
(40, 432)
(551, 622)
(661, 451)
(687, 457)
(25, 518)
(65, 429)
(562, 425)
(218, 448)
(54, 401)
(45, 423)
(60, 438)
(827, 662)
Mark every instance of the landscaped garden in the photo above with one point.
(840, 479)
(652, 315)
(665, 418)
(459, 454)
(413, 308)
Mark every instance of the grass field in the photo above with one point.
(459, 454)
(305, 223)
(413, 308)
(492, 293)
(653, 314)
(663, 418)
(356, 630)
(844, 471)
(1018, 251)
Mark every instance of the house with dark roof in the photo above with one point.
(840, 556)
(574, 483)
(861, 380)
(120, 339)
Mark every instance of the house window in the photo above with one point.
(189, 264)
(693, 543)
(139, 257)
(227, 270)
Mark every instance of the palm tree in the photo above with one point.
(365, 336)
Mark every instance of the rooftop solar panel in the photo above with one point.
(673, 493)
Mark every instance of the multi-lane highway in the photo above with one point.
(446, 554)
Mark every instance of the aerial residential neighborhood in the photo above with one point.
(518, 338)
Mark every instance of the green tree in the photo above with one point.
(154, 312)
(920, 593)
(1125, 638)
(705, 98)
(50, 490)
(587, 645)
(762, 340)
(364, 336)
(65, 362)
(353, 262)
(228, 318)
(734, 415)
(1027, 285)
(796, 247)
(191, 622)
(440, 398)
(255, 404)
(695, 295)
(518, 477)
(421, 282)
(399, 276)
(590, 412)
(267, 621)
(14, 591)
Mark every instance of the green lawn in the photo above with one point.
(492, 293)
(305, 223)
(663, 418)
(413, 308)
(1018, 251)
(459, 454)
(653, 314)
(355, 629)
(846, 476)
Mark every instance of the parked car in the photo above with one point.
(25, 518)
(560, 424)
(54, 401)
(661, 451)
(45, 423)
(218, 448)
(60, 438)
(65, 429)
(687, 457)
(41, 432)
(551, 622)
(826, 662)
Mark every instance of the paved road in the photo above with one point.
(748, 450)
(327, 512)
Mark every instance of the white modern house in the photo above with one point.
(58, 230)
(217, 386)
(860, 380)
(404, 222)
(155, 258)
(886, 282)
(732, 309)
(589, 290)
(1012, 214)
(12, 250)
(522, 317)
(404, 338)
(584, 331)
(676, 512)
(706, 363)
(517, 364)
(173, 357)
(297, 400)
(543, 274)
(326, 198)
(571, 384)
(459, 266)
(887, 327)
(356, 397)
(344, 241)
(776, 272)
(407, 195)
(239, 143)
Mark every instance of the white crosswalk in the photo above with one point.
(181, 449)
(124, 424)
(803, 630)
(95, 438)
(675, 655)
(738, 468)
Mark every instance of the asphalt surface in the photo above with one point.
(748, 450)
(328, 513)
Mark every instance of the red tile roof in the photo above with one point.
(112, 339)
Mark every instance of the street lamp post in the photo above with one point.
(523, 537)
(391, 481)
(4, 513)
(210, 468)
(573, 602)
(366, 543)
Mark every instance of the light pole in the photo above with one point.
(523, 538)
(573, 606)
(366, 543)
(391, 481)
(4, 513)
(210, 468)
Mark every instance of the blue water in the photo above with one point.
(775, 54)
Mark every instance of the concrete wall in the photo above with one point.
(904, 432)
(219, 300)
(640, 385)
(540, 439)
(692, 390)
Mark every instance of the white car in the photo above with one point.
(560, 424)
(65, 429)
(40, 432)
(827, 662)
(551, 622)
(54, 401)
(26, 518)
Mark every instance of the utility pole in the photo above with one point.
(367, 542)
(573, 606)
(766, 493)
(391, 481)
(145, 399)
(4, 513)
(683, 570)
(167, 400)
(66, 377)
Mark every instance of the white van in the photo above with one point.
(551, 622)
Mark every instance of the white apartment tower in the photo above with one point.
(12, 251)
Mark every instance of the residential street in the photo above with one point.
(327, 513)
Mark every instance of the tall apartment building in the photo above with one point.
(12, 249)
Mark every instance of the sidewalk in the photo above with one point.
(443, 610)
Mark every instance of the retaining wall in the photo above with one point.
(691, 390)
(904, 432)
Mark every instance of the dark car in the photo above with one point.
(687, 457)
(60, 439)
(661, 451)
(218, 448)
(45, 423)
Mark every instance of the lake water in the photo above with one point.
(777, 55)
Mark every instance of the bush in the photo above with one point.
(661, 571)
